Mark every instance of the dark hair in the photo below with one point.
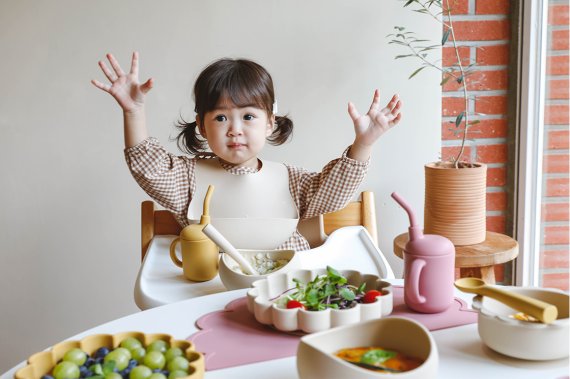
(245, 83)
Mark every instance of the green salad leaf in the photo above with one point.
(326, 291)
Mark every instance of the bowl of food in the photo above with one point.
(265, 262)
(367, 350)
(123, 355)
(315, 300)
(517, 335)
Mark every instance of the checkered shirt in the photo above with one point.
(170, 180)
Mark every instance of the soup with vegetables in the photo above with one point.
(379, 359)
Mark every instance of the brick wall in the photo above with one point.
(482, 28)
(554, 266)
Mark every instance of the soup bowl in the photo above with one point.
(316, 352)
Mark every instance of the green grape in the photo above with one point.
(158, 345)
(113, 375)
(140, 372)
(66, 370)
(173, 352)
(130, 343)
(76, 356)
(177, 374)
(120, 357)
(154, 360)
(123, 351)
(156, 375)
(178, 363)
(138, 353)
(96, 369)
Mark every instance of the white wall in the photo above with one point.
(69, 219)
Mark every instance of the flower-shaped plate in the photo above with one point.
(261, 302)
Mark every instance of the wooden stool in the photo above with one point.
(476, 260)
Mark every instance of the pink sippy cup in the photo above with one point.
(429, 267)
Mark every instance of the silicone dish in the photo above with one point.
(522, 339)
(43, 362)
(316, 359)
(261, 302)
(233, 279)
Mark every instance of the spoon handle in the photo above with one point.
(227, 247)
(545, 312)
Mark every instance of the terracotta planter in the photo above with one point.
(455, 202)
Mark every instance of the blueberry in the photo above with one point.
(157, 370)
(132, 363)
(101, 352)
(89, 362)
(47, 377)
(99, 360)
(84, 372)
(125, 373)
(166, 373)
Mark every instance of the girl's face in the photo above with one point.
(236, 135)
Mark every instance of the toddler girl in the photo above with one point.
(235, 116)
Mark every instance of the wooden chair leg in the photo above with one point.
(486, 273)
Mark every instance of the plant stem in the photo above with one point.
(464, 85)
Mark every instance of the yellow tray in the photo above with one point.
(43, 362)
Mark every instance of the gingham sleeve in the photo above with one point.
(165, 177)
(327, 191)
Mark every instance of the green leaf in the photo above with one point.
(332, 273)
(409, 2)
(347, 294)
(445, 36)
(459, 79)
(312, 297)
(416, 72)
(377, 356)
(403, 56)
(361, 288)
(459, 119)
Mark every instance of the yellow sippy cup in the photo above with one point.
(200, 256)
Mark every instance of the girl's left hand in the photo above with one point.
(372, 125)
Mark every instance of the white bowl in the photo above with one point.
(521, 339)
(233, 278)
(316, 359)
(261, 302)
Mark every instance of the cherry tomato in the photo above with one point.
(294, 304)
(370, 296)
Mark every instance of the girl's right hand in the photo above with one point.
(125, 88)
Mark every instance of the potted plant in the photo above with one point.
(455, 188)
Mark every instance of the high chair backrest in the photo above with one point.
(361, 212)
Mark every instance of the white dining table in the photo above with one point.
(461, 352)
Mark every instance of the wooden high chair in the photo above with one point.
(316, 229)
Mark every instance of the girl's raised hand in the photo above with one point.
(124, 87)
(372, 125)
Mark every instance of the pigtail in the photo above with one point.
(282, 132)
(189, 139)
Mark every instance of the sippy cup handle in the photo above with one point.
(414, 279)
(173, 256)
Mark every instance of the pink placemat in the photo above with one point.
(232, 337)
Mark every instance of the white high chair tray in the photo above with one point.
(160, 282)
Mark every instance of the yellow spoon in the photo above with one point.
(538, 309)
